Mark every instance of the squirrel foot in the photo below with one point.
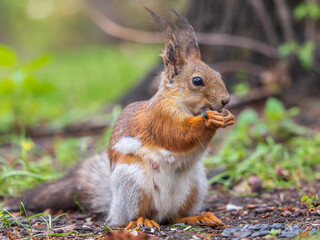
(143, 222)
(208, 219)
(216, 119)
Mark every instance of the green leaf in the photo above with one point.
(274, 109)
(304, 198)
(37, 63)
(294, 111)
(34, 86)
(247, 117)
(307, 10)
(7, 56)
(300, 11)
(305, 54)
(241, 88)
(314, 11)
(7, 86)
(288, 48)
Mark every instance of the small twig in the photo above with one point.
(285, 20)
(79, 129)
(255, 94)
(113, 29)
(233, 66)
(266, 21)
(237, 41)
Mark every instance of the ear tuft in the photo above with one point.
(162, 25)
(186, 37)
(180, 45)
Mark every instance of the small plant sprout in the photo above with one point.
(312, 201)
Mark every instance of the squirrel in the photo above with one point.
(152, 172)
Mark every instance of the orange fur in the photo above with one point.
(145, 203)
(155, 129)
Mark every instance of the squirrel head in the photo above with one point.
(186, 76)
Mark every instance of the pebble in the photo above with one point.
(260, 233)
(247, 226)
(278, 226)
(316, 223)
(260, 230)
(245, 233)
(85, 227)
(257, 227)
(287, 234)
(58, 231)
(236, 229)
(179, 224)
(226, 233)
(265, 227)
(232, 207)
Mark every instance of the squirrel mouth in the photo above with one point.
(211, 109)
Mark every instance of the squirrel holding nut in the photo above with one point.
(152, 172)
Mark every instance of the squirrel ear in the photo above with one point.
(173, 59)
(172, 55)
(193, 51)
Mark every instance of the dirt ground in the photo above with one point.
(276, 207)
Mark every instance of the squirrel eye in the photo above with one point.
(197, 81)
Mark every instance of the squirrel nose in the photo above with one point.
(225, 100)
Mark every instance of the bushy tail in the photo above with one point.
(87, 185)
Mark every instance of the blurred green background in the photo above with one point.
(62, 66)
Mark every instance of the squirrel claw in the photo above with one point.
(204, 113)
(208, 219)
(143, 222)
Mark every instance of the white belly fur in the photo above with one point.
(171, 183)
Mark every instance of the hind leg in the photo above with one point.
(129, 206)
(125, 195)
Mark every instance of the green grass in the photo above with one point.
(89, 78)
(27, 163)
(70, 87)
(93, 76)
(48, 219)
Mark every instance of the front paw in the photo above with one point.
(214, 119)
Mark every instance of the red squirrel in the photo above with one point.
(152, 172)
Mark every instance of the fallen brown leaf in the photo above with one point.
(251, 206)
